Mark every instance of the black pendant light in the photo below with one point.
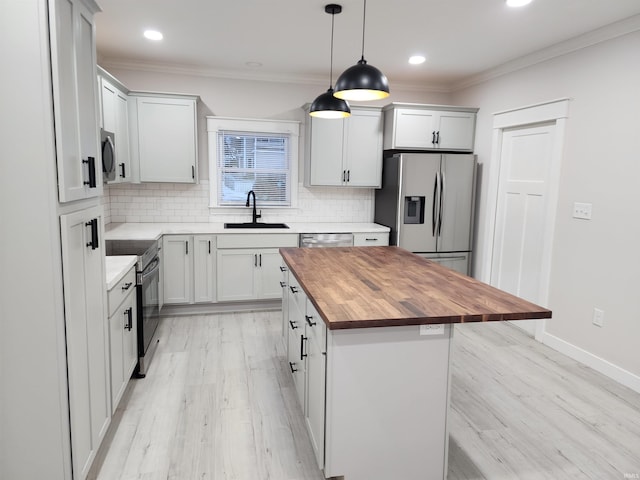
(362, 82)
(326, 105)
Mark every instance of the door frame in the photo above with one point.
(556, 112)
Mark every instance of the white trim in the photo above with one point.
(290, 127)
(620, 375)
(556, 111)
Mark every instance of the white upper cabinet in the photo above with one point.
(73, 63)
(345, 152)
(429, 127)
(165, 137)
(115, 119)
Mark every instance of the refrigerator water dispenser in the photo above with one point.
(414, 209)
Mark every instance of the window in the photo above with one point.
(258, 155)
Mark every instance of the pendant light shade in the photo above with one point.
(326, 105)
(362, 82)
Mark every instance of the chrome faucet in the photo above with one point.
(256, 215)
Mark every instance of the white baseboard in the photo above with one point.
(601, 365)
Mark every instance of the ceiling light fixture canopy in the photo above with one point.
(362, 81)
(326, 105)
(153, 35)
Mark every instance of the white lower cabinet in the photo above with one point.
(306, 355)
(316, 359)
(189, 268)
(249, 266)
(86, 333)
(123, 334)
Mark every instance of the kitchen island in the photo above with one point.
(374, 349)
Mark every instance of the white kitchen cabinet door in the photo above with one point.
(456, 131)
(326, 151)
(295, 359)
(284, 289)
(236, 275)
(204, 268)
(269, 261)
(86, 333)
(123, 328)
(415, 128)
(115, 119)
(363, 148)
(75, 99)
(167, 138)
(178, 268)
(316, 374)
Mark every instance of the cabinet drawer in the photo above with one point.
(252, 240)
(118, 293)
(370, 239)
(296, 294)
(316, 328)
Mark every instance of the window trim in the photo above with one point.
(252, 125)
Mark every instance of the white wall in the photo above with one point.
(242, 99)
(595, 263)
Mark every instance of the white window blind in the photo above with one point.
(253, 161)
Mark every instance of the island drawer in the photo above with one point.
(296, 293)
(121, 289)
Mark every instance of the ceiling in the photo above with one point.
(290, 39)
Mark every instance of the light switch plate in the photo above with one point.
(582, 210)
(432, 329)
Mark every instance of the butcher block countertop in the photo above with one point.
(358, 287)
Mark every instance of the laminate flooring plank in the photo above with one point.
(219, 403)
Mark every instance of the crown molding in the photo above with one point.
(608, 32)
(106, 63)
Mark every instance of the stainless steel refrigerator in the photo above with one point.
(427, 200)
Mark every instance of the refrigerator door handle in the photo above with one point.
(442, 188)
(433, 206)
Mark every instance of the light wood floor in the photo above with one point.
(219, 403)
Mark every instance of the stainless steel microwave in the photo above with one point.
(108, 149)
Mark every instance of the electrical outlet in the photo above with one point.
(582, 210)
(432, 329)
(598, 317)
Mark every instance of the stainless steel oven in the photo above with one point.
(147, 289)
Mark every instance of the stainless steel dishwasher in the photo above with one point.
(323, 240)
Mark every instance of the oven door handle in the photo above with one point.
(151, 269)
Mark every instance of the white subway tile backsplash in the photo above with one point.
(179, 203)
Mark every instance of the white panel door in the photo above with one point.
(326, 151)
(236, 275)
(414, 128)
(269, 261)
(521, 226)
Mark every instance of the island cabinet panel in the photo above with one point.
(387, 395)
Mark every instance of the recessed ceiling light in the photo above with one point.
(417, 59)
(153, 35)
(518, 3)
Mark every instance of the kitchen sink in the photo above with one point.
(255, 225)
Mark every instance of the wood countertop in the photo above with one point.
(357, 287)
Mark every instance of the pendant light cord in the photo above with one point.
(333, 16)
(364, 15)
